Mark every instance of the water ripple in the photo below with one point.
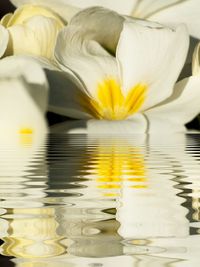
(78, 200)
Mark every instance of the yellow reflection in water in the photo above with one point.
(116, 163)
(32, 234)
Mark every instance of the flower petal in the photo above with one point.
(63, 87)
(196, 61)
(124, 7)
(4, 37)
(147, 8)
(16, 66)
(22, 14)
(85, 58)
(179, 109)
(64, 90)
(183, 12)
(133, 126)
(82, 47)
(151, 55)
(19, 113)
(61, 7)
(94, 22)
(41, 32)
(5, 20)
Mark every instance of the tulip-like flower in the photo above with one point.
(30, 30)
(169, 12)
(133, 86)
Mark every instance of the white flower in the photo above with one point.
(133, 91)
(169, 12)
(23, 101)
(30, 30)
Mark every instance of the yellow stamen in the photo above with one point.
(111, 103)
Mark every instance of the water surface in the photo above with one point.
(77, 200)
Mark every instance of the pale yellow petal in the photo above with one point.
(22, 14)
(37, 36)
(65, 10)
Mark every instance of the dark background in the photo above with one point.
(5, 7)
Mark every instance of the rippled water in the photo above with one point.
(77, 200)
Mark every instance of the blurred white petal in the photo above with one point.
(4, 37)
(17, 66)
(19, 114)
(146, 8)
(178, 110)
(186, 12)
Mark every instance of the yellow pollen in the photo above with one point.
(111, 103)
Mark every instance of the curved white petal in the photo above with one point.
(153, 56)
(36, 36)
(19, 114)
(133, 126)
(101, 25)
(196, 61)
(64, 92)
(16, 66)
(61, 7)
(86, 58)
(4, 37)
(179, 109)
(187, 12)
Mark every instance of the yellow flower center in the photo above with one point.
(111, 103)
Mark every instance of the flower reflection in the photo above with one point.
(124, 205)
(116, 164)
(32, 234)
(27, 227)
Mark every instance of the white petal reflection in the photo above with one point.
(17, 165)
(110, 200)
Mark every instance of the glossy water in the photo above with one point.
(72, 200)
